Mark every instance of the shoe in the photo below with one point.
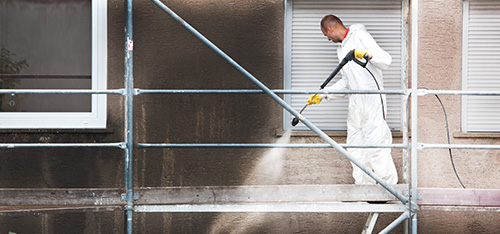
(377, 202)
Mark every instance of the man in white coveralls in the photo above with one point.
(365, 120)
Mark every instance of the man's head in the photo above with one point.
(333, 28)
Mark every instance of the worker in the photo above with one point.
(366, 123)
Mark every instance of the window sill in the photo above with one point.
(476, 135)
(396, 134)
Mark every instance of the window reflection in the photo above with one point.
(46, 44)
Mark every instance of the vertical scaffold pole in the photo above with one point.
(414, 113)
(129, 95)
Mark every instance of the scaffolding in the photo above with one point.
(404, 198)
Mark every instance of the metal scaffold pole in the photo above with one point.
(414, 114)
(129, 95)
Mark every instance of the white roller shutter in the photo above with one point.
(311, 57)
(481, 65)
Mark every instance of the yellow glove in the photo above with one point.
(360, 54)
(314, 99)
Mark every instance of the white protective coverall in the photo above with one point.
(365, 122)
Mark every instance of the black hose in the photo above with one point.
(448, 135)
(381, 99)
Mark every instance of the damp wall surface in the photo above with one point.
(167, 57)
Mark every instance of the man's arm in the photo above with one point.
(380, 58)
(339, 85)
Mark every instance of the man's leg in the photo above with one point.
(356, 137)
(381, 158)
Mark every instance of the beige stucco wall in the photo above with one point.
(440, 64)
(166, 56)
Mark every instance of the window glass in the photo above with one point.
(46, 44)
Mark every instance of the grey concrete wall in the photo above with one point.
(166, 56)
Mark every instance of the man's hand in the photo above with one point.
(314, 99)
(360, 54)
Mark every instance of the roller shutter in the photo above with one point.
(311, 57)
(481, 65)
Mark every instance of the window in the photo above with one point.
(310, 57)
(481, 72)
(53, 44)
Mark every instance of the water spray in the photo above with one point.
(349, 56)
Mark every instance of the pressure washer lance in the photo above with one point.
(349, 56)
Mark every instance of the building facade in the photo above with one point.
(275, 40)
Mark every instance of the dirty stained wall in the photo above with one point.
(168, 57)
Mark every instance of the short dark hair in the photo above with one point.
(330, 20)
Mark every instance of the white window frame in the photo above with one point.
(288, 64)
(466, 126)
(96, 118)
(465, 58)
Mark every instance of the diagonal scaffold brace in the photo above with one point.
(281, 102)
